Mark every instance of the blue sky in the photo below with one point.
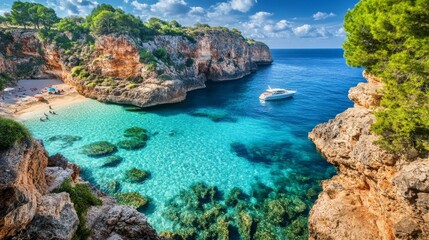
(279, 23)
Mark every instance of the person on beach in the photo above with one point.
(53, 112)
(46, 115)
(50, 107)
(41, 119)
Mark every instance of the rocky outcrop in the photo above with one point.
(22, 183)
(111, 221)
(375, 195)
(55, 219)
(125, 70)
(29, 210)
(260, 53)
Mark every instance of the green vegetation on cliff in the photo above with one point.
(11, 132)
(82, 199)
(390, 39)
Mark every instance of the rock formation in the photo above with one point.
(375, 195)
(29, 210)
(121, 69)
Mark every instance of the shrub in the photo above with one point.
(4, 80)
(132, 86)
(189, 62)
(135, 175)
(165, 77)
(76, 71)
(12, 132)
(389, 39)
(162, 54)
(82, 199)
(146, 56)
(99, 149)
(132, 199)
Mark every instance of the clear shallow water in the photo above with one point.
(186, 146)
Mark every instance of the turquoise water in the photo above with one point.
(222, 135)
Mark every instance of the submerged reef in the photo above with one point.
(65, 140)
(132, 199)
(137, 138)
(99, 149)
(112, 161)
(263, 153)
(265, 212)
(214, 116)
(135, 175)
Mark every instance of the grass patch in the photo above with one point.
(12, 132)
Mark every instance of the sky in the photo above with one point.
(278, 23)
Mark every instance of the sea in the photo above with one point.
(222, 135)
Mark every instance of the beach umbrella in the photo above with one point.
(8, 89)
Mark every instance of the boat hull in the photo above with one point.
(276, 96)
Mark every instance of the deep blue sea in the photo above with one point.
(222, 135)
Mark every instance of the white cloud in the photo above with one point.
(139, 6)
(308, 31)
(73, 7)
(224, 8)
(125, 1)
(242, 5)
(197, 11)
(322, 15)
(260, 25)
(170, 7)
(340, 32)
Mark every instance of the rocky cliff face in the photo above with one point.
(29, 210)
(375, 195)
(123, 70)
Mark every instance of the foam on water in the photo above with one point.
(191, 141)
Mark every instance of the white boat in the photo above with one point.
(276, 93)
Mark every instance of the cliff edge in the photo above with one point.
(121, 69)
(375, 195)
(31, 208)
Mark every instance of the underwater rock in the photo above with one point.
(135, 175)
(66, 140)
(132, 199)
(244, 224)
(137, 132)
(235, 196)
(112, 161)
(99, 149)
(215, 117)
(112, 187)
(132, 144)
(133, 109)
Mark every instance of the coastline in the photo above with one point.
(24, 109)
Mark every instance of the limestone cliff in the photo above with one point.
(375, 195)
(29, 210)
(121, 69)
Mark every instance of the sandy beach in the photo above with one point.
(21, 102)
